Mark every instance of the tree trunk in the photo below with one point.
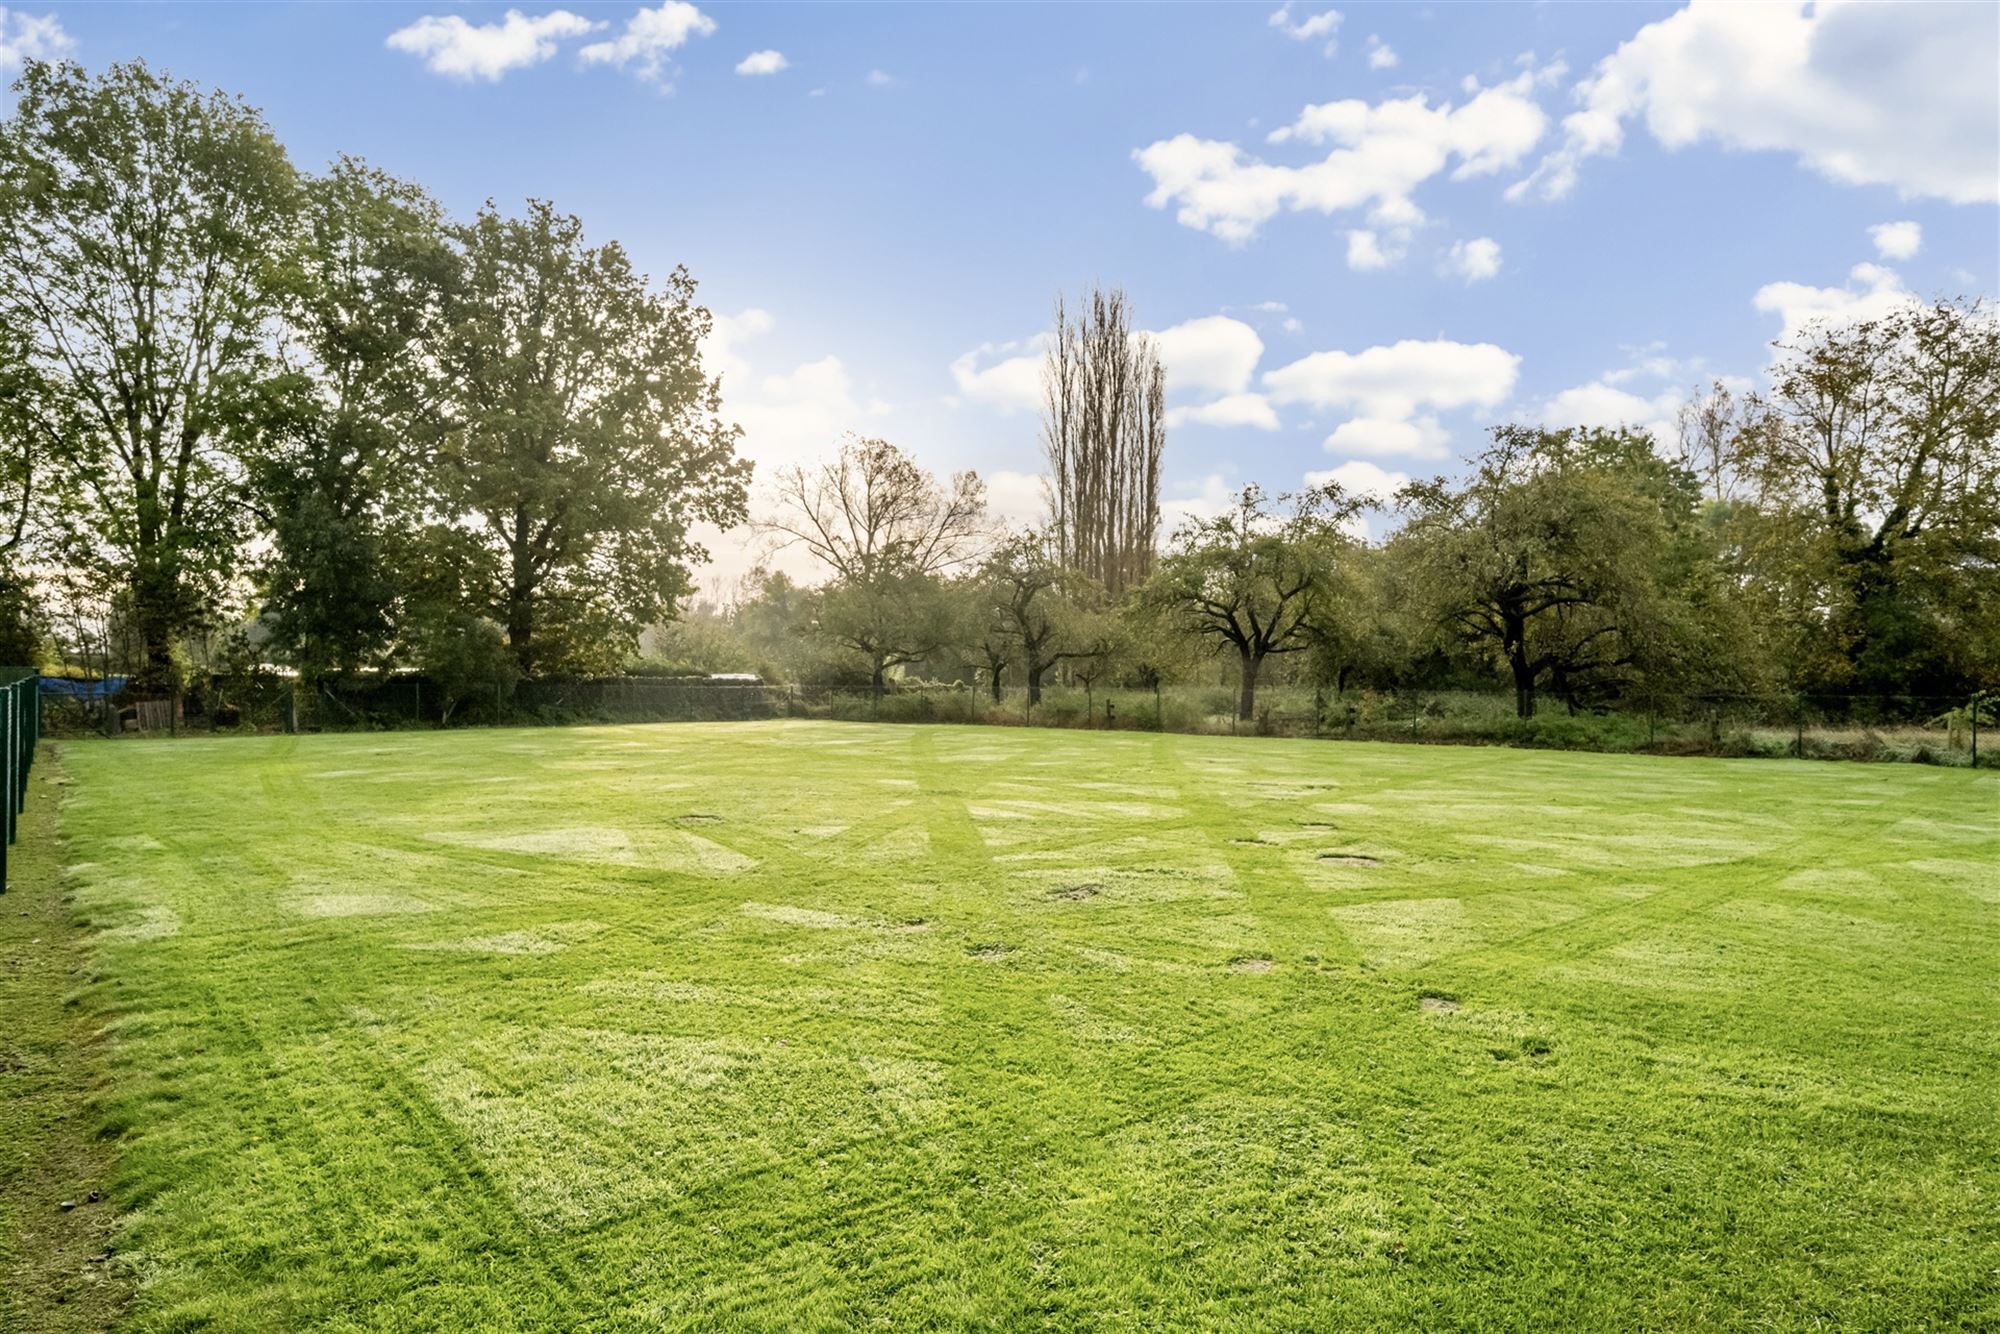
(996, 687)
(1524, 682)
(521, 598)
(1035, 684)
(1246, 703)
(878, 680)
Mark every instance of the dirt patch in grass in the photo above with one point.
(1438, 1005)
(1076, 893)
(991, 952)
(1360, 859)
(1251, 965)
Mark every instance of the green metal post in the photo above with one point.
(13, 761)
(9, 817)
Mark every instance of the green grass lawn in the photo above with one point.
(820, 1025)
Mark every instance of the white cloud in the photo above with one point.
(1394, 392)
(1603, 404)
(1367, 252)
(1358, 477)
(1897, 240)
(1231, 410)
(1214, 353)
(1204, 500)
(1019, 499)
(1864, 94)
(1380, 154)
(459, 50)
(785, 417)
(1397, 380)
(1368, 481)
(763, 62)
(24, 37)
(877, 79)
(1380, 54)
(718, 350)
(1391, 437)
(1475, 261)
(1003, 376)
(1308, 29)
(1870, 293)
(649, 36)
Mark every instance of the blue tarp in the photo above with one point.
(91, 691)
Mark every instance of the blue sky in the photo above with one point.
(1364, 238)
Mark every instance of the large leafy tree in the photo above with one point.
(1550, 554)
(31, 433)
(1254, 578)
(582, 440)
(140, 221)
(1876, 464)
(1034, 613)
(893, 619)
(338, 474)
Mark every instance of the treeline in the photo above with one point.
(251, 414)
(1836, 536)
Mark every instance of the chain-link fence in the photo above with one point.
(1914, 728)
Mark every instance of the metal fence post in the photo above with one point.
(1975, 731)
(10, 805)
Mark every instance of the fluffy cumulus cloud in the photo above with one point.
(651, 36)
(1871, 291)
(450, 46)
(1380, 54)
(1215, 354)
(1419, 437)
(1358, 477)
(1369, 250)
(1369, 481)
(1203, 499)
(763, 62)
(1377, 155)
(1397, 380)
(1864, 94)
(1474, 261)
(1231, 410)
(786, 416)
(1897, 240)
(1393, 393)
(1004, 376)
(1322, 27)
(1602, 403)
(25, 37)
